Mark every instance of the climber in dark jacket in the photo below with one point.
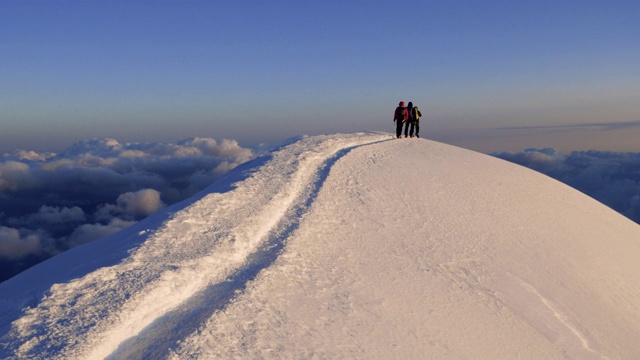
(416, 120)
(408, 127)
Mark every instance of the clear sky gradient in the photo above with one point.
(487, 75)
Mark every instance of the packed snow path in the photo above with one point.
(189, 267)
(347, 246)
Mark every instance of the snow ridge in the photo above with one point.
(191, 266)
(346, 246)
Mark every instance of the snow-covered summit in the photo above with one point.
(346, 246)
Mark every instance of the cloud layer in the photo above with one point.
(52, 202)
(612, 178)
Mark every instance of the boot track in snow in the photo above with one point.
(190, 266)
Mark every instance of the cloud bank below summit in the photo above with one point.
(609, 177)
(52, 202)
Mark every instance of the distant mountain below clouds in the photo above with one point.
(346, 246)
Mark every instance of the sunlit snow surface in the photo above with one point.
(346, 246)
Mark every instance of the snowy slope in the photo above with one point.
(346, 246)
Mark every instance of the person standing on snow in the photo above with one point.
(416, 120)
(408, 127)
(400, 117)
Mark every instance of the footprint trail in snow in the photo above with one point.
(207, 251)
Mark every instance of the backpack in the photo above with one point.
(416, 113)
(402, 116)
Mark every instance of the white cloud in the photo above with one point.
(13, 175)
(28, 155)
(225, 148)
(15, 246)
(90, 232)
(140, 203)
(58, 215)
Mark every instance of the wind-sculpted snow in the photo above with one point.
(189, 267)
(346, 246)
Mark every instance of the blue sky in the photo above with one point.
(487, 75)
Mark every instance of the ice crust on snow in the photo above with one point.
(346, 246)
